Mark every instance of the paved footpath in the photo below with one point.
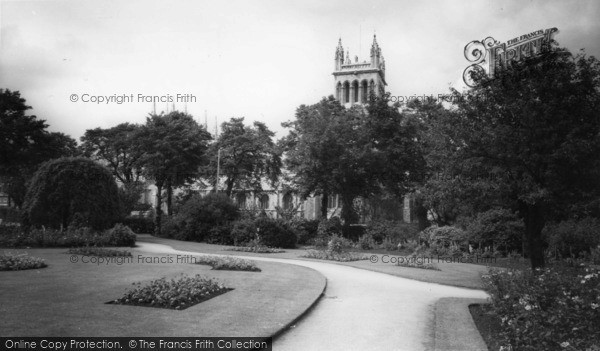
(361, 310)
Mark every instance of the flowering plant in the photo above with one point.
(547, 309)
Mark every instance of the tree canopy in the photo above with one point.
(117, 147)
(354, 152)
(173, 149)
(248, 156)
(72, 190)
(24, 144)
(531, 136)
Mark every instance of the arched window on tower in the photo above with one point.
(346, 92)
(372, 87)
(365, 91)
(355, 91)
(338, 92)
(288, 201)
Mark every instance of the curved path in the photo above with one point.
(361, 310)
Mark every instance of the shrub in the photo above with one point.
(497, 228)
(366, 242)
(275, 233)
(227, 263)
(71, 237)
(445, 240)
(243, 232)
(305, 229)
(573, 238)
(329, 227)
(326, 229)
(71, 189)
(396, 232)
(17, 262)
(119, 235)
(175, 294)
(7, 232)
(173, 227)
(220, 234)
(334, 256)
(139, 225)
(551, 309)
(199, 215)
(10, 215)
(335, 244)
(353, 231)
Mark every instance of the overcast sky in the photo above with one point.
(253, 59)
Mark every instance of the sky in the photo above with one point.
(254, 59)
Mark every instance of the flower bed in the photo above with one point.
(174, 294)
(552, 309)
(255, 249)
(334, 256)
(17, 262)
(227, 263)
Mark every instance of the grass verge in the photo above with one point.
(488, 325)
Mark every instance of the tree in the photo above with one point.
(70, 190)
(173, 148)
(536, 127)
(451, 188)
(248, 156)
(356, 152)
(307, 149)
(117, 147)
(24, 144)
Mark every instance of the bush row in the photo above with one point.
(119, 235)
(499, 232)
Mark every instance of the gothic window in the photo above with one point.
(346, 92)
(338, 92)
(263, 202)
(355, 91)
(372, 87)
(288, 201)
(365, 91)
(240, 200)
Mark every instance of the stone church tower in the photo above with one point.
(355, 80)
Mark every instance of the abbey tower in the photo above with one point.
(355, 80)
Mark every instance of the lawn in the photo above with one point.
(70, 299)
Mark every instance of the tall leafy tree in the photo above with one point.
(24, 144)
(173, 149)
(249, 156)
(536, 126)
(117, 148)
(354, 152)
